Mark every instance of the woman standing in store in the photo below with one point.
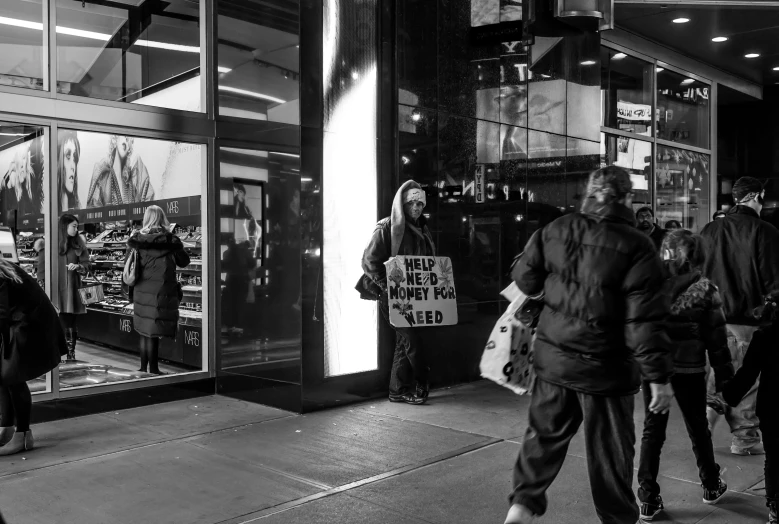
(32, 345)
(73, 263)
(157, 293)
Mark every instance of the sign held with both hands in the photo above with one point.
(421, 291)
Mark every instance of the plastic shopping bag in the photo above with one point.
(508, 356)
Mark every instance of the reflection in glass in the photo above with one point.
(682, 187)
(23, 203)
(682, 109)
(546, 83)
(142, 52)
(23, 56)
(416, 65)
(626, 90)
(259, 62)
(259, 245)
(635, 156)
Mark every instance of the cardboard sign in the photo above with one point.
(421, 291)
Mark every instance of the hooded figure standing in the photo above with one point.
(404, 232)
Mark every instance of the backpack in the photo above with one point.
(132, 268)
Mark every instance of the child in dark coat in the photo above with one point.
(762, 358)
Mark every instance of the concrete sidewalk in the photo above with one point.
(218, 460)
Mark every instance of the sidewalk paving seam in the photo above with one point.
(274, 510)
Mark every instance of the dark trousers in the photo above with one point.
(609, 433)
(409, 364)
(690, 393)
(15, 406)
(771, 444)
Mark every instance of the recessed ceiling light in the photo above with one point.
(588, 62)
(660, 69)
(720, 39)
(752, 55)
(688, 81)
(222, 69)
(619, 56)
(681, 20)
(252, 94)
(776, 68)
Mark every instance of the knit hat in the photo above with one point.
(608, 184)
(408, 192)
(746, 188)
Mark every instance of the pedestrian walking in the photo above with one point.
(696, 327)
(762, 360)
(601, 329)
(73, 265)
(157, 293)
(743, 263)
(647, 225)
(404, 232)
(32, 343)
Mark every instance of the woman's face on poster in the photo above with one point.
(70, 164)
(122, 147)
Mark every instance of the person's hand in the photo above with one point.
(73, 267)
(661, 398)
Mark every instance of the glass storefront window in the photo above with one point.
(682, 189)
(23, 36)
(682, 109)
(626, 92)
(23, 204)
(635, 156)
(131, 52)
(260, 251)
(107, 182)
(259, 64)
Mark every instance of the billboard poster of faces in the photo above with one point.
(23, 178)
(98, 169)
(247, 203)
(488, 12)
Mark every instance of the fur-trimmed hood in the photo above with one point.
(159, 239)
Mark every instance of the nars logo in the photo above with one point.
(173, 207)
(125, 325)
(192, 338)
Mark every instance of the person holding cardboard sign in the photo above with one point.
(404, 232)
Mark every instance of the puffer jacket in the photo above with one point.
(157, 294)
(696, 325)
(743, 262)
(602, 326)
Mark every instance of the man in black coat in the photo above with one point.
(646, 224)
(600, 331)
(743, 262)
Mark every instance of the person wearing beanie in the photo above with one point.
(404, 232)
(645, 218)
(601, 331)
(743, 263)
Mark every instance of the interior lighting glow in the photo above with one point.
(660, 69)
(588, 62)
(284, 154)
(681, 20)
(170, 47)
(720, 39)
(776, 68)
(21, 23)
(252, 94)
(103, 37)
(687, 81)
(223, 69)
(619, 56)
(752, 55)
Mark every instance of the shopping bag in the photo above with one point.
(91, 294)
(508, 356)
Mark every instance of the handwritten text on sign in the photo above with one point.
(421, 291)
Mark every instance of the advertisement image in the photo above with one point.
(22, 172)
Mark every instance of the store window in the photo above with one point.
(23, 51)
(258, 56)
(626, 92)
(635, 156)
(141, 52)
(682, 109)
(106, 183)
(23, 205)
(260, 252)
(682, 189)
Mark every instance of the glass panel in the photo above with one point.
(23, 202)
(417, 65)
(23, 53)
(259, 243)
(682, 187)
(259, 62)
(107, 183)
(626, 92)
(682, 109)
(635, 156)
(138, 51)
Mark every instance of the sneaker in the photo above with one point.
(754, 449)
(712, 496)
(408, 398)
(772, 513)
(649, 510)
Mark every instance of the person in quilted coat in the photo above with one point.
(601, 330)
(696, 327)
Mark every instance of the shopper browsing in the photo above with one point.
(31, 345)
(73, 264)
(157, 293)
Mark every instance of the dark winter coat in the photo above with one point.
(602, 326)
(32, 338)
(379, 251)
(697, 325)
(658, 235)
(743, 261)
(157, 294)
(70, 281)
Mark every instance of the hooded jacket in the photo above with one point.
(743, 262)
(696, 325)
(157, 294)
(602, 326)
